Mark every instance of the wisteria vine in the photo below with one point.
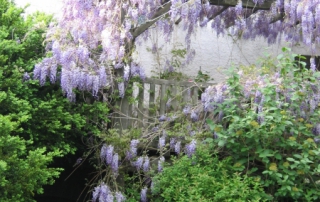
(94, 38)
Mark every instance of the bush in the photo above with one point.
(205, 177)
(270, 129)
(37, 123)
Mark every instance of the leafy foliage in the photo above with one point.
(37, 123)
(270, 129)
(23, 171)
(205, 177)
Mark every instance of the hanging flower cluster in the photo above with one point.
(94, 37)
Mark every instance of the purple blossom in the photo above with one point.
(162, 118)
(53, 73)
(154, 49)
(192, 133)
(186, 110)
(26, 77)
(162, 142)
(121, 89)
(143, 194)
(146, 164)
(109, 154)
(110, 198)
(95, 85)
(238, 7)
(191, 148)
(115, 164)
(66, 58)
(118, 65)
(126, 73)
(155, 129)
(257, 97)
(168, 104)
(43, 75)
(177, 147)
(37, 71)
(204, 22)
(194, 116)
(120, 197)
(96, 193)
(312, 64)
(102, 76)
(83, 54)
(133, 149)
(78, 161)
(101, 192)
(316, 129)
(103, 152)
(138, 163)
(172, 142)
(160, 164)
(313, 104)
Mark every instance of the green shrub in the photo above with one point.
(270, 129)
(205, 177)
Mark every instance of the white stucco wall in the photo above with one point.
(214, 54)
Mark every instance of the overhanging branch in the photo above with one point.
(139, 30)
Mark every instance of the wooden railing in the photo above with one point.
(155, 97)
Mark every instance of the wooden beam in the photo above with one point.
(245, 3)
(139, 30)
(219, 12)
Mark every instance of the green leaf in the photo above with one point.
(291, 159)
(210, 124)
(221, 143)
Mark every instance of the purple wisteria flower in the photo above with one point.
(160, 164)
(162, 118)
(177, 147)
(238, 7)
(143, 194)
(133, 149)
(192, 133)
(168, 104)
(172, 142)
(120, 197)
(162, 142)
(121, 89)
(26, 77)
(146, 164)
(102, 193)
(316, 129)
(312, 64)
(194, 116)
(191, 148)
(115, 164)
(103, 152)
(186, 110)
(138, 163)
(126, 73)
(109, 154)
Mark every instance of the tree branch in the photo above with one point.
(219, 12)
(139, 30)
